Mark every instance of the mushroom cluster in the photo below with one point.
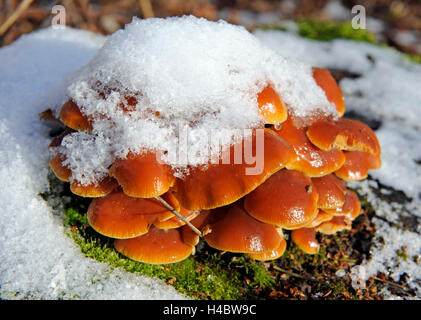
(158, 215)
(158, 218)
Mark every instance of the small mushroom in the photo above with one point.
(309, 159)
(120, 216)
(176, 222)
(333, 92)
(72, 117)
(343, 134)
(331, 192)
(284, 200)
(337, 224)
(94, 190)
(221, 184)
(321, 217)
(271, 255)
(142, 175)
(156, 247)
(236, 231)
(351, 207)
(61, 171)
(305, 239)
(188, 235)
(357, 165)
(271, 106)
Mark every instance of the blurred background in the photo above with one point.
(395, 23)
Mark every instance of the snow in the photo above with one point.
(37, 259)
(388, 91)
(205, 75)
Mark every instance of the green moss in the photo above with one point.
(402, 254)
(210, 276)
(326, 31)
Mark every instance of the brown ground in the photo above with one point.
(106, 16)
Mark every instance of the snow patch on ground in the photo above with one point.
(37, 260)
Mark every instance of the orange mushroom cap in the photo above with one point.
(333, 92)
(72, 117)
(305, 239)
(188, 235)
(62, 172)
(142, 175)
(56, 141)
(344, 134)
(271, 106)
(271, 255)
(331, 192)
(222, 184)
(351, 207)
(176, 222)
(321, 217)
(337, 224)
(100, 189)
(357, 165)
(287, 199)
(156, 247)
(308, 158)
(236, 231)
(120, 216)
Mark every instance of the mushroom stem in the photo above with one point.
(169, 207)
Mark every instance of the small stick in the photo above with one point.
(169, 207)
(146, 7)
(392, 284)
(292, 273)
(14, 16)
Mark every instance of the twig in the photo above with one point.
(292, 273)
(392, 284)
(146, 7)
(14, 16)
(169, 207)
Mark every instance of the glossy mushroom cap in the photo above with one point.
(271, 106)
(120, 216)
(176, 222)
(62, 172)
(333, 92)
(271, 255)
(309, 159)
(100, 189)
(337, 224)
(72, 117)
(357, 165)
(343, 134)
(156, 247)
(142, 175)
(305, 239)
(221, 184)
(188, 235)
(331, 192)
(321, 217)
(351, 207)
(238, 232)
(288, 199)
